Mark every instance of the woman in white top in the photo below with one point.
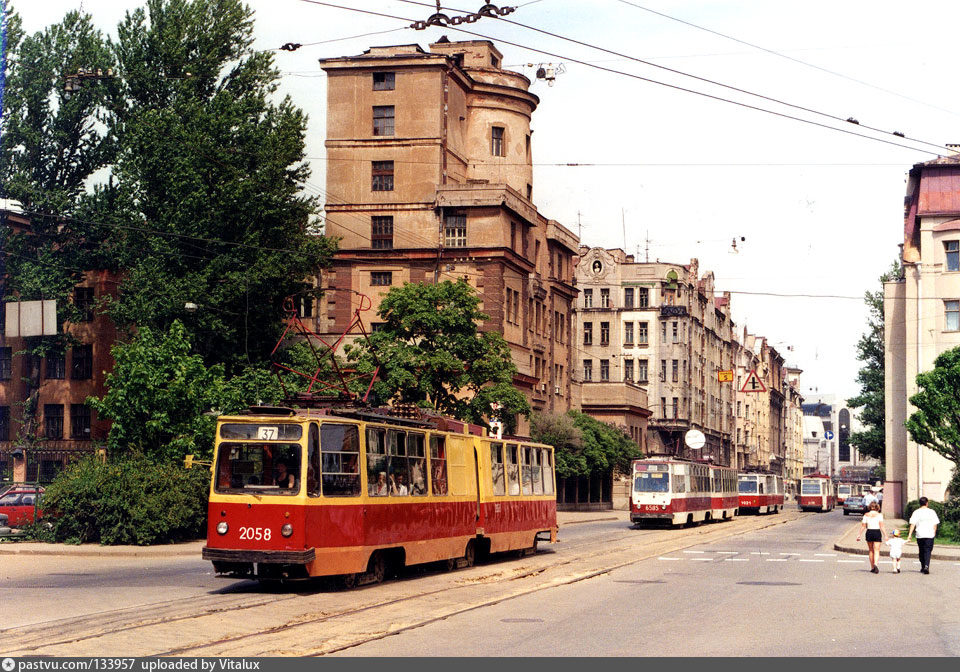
(873, 524)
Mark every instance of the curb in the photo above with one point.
(92, 550)
(906, 554)
(590, 520)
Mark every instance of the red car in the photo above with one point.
(21, 504)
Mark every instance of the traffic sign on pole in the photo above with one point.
(753, 383)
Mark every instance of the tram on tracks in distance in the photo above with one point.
(817, 493)
(299, 493)
(845, 490)
(681, 492)
(760, 493)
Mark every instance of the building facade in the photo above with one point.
(430, 178)
(921, 320)
(661, 326)
(56, 386)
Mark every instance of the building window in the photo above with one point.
(383, 119)
(588, 298)
(952, 248)
(663, 370)
(676, 333)
(83, 300)
(643, 334)
(675, 407)
(82, 364)
(587, 370)
(663, 332)
(644, 298)
(496, 141)
(382, 176)
(56, 366)
(381, 233)
(953, 315)
(628, 297)
(384, 81)
(604, 333)
(4, 424)
(628, 369)
(587, 334)
(494, 61)
(628, 333)
(676, 371)
(80, 422)
(53, 421)
(6, 363)
(381, 278)
(529, 192)
(604, 369)
(455, 230)
(604, 298)
(641, 370)
(663, 406)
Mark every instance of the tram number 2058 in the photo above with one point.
(255, 533)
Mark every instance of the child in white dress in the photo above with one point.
(896, 549)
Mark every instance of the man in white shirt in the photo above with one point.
(869, 498)
(924, 520)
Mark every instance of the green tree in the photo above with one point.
(584, 445)
(50, 145)
(208, 205)
(871, 441)
(936, 422)
(432, 353)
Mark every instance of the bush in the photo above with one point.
(941, 510)
(129, 501)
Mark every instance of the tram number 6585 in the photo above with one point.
(255, 533)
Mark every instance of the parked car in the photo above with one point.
(855, 504)
(21, 504)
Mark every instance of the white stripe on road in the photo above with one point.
(694, 551)
(826, 555)
(810, 560)
(789, 554)
(727, 552)
(663, 558)
(748, 560)
(859, 562)
(702, 559)
(776, 559)
(758, 553)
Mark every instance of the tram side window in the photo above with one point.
(748, 487)
(377, 462)
(340, 447)
(547, 471)
(679, 483)
(496, 469)
(526, 471)
(438, 465)
(399, 477)
(418, 464)
(535, 471)
(513, 470)
(313, 460)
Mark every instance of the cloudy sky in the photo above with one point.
(674, 173)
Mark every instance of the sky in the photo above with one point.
(666, 173)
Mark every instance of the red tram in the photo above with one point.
(817, 493)
(359, 492)
(760, 493)
(682, 492)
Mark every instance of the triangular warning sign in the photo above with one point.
(753, 383)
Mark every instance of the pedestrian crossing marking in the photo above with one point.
(694, 551)
(810, 560)
(826, 555)
(742, 560)
(776, 559)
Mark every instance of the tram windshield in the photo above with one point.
(747, 487)
(810, 487)
(269, 468)
(651, 482)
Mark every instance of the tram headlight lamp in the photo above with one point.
(222, 527)
(286, 530)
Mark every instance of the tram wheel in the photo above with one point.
(470, 554)
(377, 568)
(350, 581)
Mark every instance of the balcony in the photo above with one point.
(673, 311)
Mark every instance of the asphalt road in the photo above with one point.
(780, 591)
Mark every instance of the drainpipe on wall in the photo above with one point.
(919, 369)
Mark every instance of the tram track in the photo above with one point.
(316, 622)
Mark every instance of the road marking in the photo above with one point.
(702, 559)
(727, 552)
(789, 554)
(776, 559)
(859, 562)
(694, 551)
(826, 555)
(665, 558)
(748, 560)
(810, 560)
(758, 553)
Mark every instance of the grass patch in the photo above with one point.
(948, 534)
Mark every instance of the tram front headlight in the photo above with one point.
(222, 527)
(286, 530)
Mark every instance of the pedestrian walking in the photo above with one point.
(925, 521)
(872, 522)
(896, 549)
(869, 498)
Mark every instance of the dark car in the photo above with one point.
(21, 504)
(855, 504)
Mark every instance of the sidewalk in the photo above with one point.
(848, 543)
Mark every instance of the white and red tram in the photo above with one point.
(817, 493)
(760, 493)
(682, 492)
